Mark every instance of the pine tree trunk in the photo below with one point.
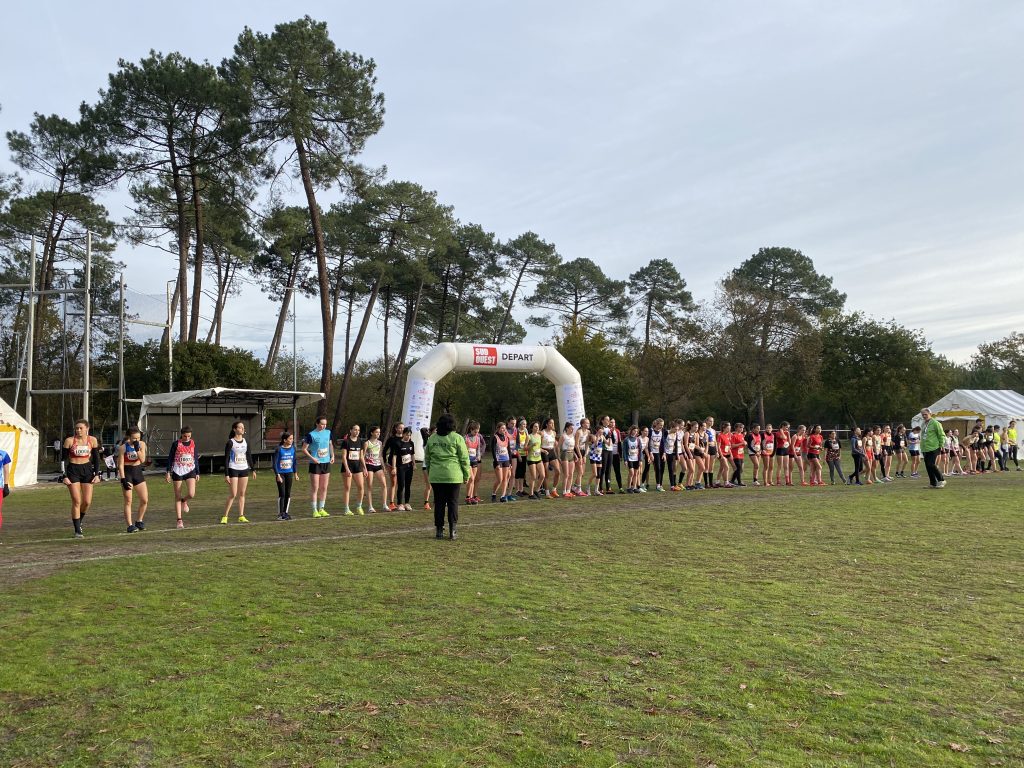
(410, 326)
(197, 264)
(346, 381)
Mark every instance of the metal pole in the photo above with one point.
(170, 342)
(21, 369)
(87, 351)
(31, 331)
(295, 366)
(120, 365)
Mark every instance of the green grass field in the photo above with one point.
(799, 627)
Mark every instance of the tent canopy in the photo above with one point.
(209, 412)
(198, 400)
(21, 440)
(993, 406)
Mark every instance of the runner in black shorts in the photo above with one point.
(131, 458)
(352, 467)
(80, 463)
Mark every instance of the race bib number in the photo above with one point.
(353, 454)
(407, 458)
(323, 453)
(286, 463)
(186, 459)
(131, 456)
(785, 443)
(634, 455)
(502, 453)
(472, 453)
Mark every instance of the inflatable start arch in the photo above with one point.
(507, 358)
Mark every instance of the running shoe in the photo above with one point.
(359, 510)
(317, 513)
(568, 495)
(494, 497)
(756, 482)
(372, 511)
(287, 516)
(140, 525)
(643, 489)
(394, 507)
(598, 493)
(534, 496)
(243, 519)
(184, 507)
(79, 535)
(554, 493)
(426, 505)
(729, 485)
(180, 524)
(659, 489)
(804, 483)
(224, 520)
(323, 513)
(348, 512)
(132, 528)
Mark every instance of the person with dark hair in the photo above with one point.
(284, 473)
(446, 461)
(183, 471)
(80, 465)
(402, 455)
(238, 467)
(131, 461)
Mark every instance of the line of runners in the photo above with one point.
(535, 461)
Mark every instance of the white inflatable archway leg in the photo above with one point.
(448, 357)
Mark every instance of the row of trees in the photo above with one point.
(209, 155)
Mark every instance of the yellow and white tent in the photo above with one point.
(961, 407)
(21, 440)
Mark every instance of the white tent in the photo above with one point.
(21, 440)
(961, 407)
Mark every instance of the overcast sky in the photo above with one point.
(884, 140)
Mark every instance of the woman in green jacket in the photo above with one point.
(446, 461)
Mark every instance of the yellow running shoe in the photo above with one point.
(348, 512)
(243, 519)
(323, 513)
(359, 510)
(224, 520)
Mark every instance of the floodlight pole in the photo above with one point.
(31, 330)
(120, 365)
(295, 365)
(87, 351)
(170, 341)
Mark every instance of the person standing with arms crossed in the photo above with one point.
(319, 448)
(446, 459)
(933, 438)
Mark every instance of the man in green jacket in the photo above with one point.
(446, 459)
(933, 437)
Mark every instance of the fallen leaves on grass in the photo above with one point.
(959, 747)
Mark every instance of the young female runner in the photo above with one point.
(582, 451)
(711, 437)
(857, 452)
(631, 450)
(549, 454)
(237, 467)
(390, 446)
(888, 451)
(284, 473)
(697, 443)
(501, 450)
(658, 453)
(684, 456)
(754, 451)
(425, 433)
(725, 465)
(522, 444)
(80, 464)
(768, 452)
(373, 458)
(739, 445)
(814, 444)
(352, 468)
(914, 450)
(783, 471)
(567, 457)
(868, 440)
(401, 458)
(5, 481)
(833, 451)
(899, 446)
(670, 454)
(319, 448)
(534, 461)
(799, 453)
(645, 452)
(131, 458)
(475, 448)
(596, 454)
(183, 472)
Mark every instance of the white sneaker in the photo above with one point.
(942, 484)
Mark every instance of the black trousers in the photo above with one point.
(858, 467)
(737, 474)
(934, 475)
(670, 459)
(403, 488)
(284, 492)
(659, 467)
(446, 499)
